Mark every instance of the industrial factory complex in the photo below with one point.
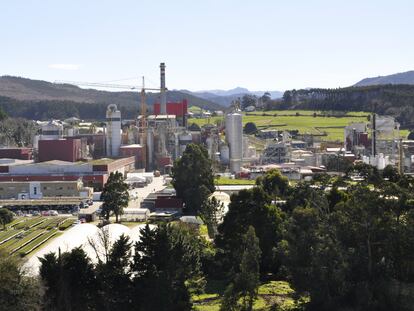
(73, 159)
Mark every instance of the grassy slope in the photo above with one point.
(269, 294)
(46, 226)
(229, 181)
(305, 123)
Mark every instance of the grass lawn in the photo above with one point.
(4, 235)
(269, 294)
(37, 242)
(29, 233)
(305, 123)
(229, 181)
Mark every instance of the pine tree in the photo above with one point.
(247, 281)
(193, 177)
(115, 195)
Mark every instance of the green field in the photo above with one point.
(229, 181)
(330, 127)
(25, 234)
(269, 294)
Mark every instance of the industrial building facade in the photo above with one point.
(93, 173)
(25, 190)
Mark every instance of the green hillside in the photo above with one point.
(329, 128)
(395, 100)
(36, 99)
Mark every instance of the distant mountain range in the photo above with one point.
(26, 93)
(226, 97)
(397, 78)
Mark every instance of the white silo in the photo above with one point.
(185, 139)
(234, 137)
(51, 130)
(150, 148)
(224, 154)
(113, 131)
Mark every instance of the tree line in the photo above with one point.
(391, 99)
(345, 245)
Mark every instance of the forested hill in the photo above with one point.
(36, 99)
(395, 100)
(397, 78)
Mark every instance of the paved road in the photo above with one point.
(141, 193)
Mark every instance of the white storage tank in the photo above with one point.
(183, 140)
(52, 130)
(210, 142)
(224, 154)
(150, 148)
(234, 137)
(113, 130)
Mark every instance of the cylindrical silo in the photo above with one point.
(113, 135)
(224, 154)
(209, 143)
(234, 137)
(150, 148)
(51, 131)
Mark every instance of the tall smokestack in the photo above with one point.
(163, 106)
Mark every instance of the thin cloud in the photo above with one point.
(64, 66)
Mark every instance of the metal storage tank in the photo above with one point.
(210, 142)
(224, 154)
(51, 131)
(150, 148)
(113, 134)
(184, 140)
(245, 147)
(234, 136)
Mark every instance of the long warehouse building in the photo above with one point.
(93, 173)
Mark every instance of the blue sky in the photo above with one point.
(261, 44)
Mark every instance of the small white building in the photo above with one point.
(135, 214)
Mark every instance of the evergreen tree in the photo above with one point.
(212, 213)
(70, 281)
(165, 259)
(192, 177)
(5, 217)
(250, 128)
(18, 291)
(114, 277)
(115, 195)
(249, 208)
(273, 183)
(246, 282)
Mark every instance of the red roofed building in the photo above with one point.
(179, 109)
(60, 149)
(16, 153)
(168, 204)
